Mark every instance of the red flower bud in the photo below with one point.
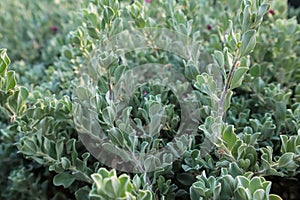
(272, 12)
(208, 27)
(54, 29)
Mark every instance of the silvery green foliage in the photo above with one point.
(232, 184)
(248, 99)
(107, 185)
(41, 31)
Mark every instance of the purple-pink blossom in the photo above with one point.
(208, 27)
(147, 1)
(54, 29)
(272, 12)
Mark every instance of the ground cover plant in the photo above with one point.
(156, 99)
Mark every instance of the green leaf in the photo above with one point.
(219, 58)
(108, 115)
(4, 61)
(108, 15)
(59, 147)
(151, 163)
(10, 80)
(65, 162)
(274, 197)
(111, 186)
(248, 42)
(280, 111)
(227, 101)
(137, 181)
(228, 58)
(98, 179)
(93, 32)
(28, 147)
(243, 181)
(83, 93)
(263, 9)
(63, 179)
(206, 84)
(287, 161)
(234, 170)
(24, 93)
(67, 53)
(117, 26)
(125, 185)
(82, 193)
(255, 70)
(255, 184)
(238, 77)
(246, 19)
(76, 40)
(229, 137)
(119, 71)
(145, 195)
(191, 72)
(259, 194)
(243, 193)
(94, 19)
(117, 136)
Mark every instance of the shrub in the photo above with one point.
(194, 100)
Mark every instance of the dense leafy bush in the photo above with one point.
(225, 77)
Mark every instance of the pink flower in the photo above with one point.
(54, 29)
(145, 93)
(208, 27)
(147, 1)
